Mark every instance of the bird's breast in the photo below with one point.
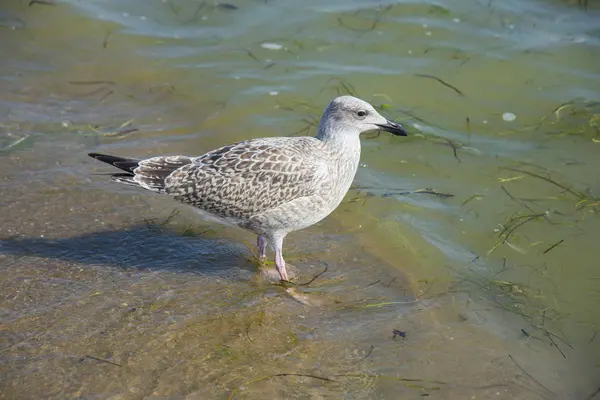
(341, 175)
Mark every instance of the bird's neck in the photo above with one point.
(344, 156)
(339, 138)
(343, 145)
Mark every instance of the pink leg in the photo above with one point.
(261, 243)
(277, 244)
(280, 263)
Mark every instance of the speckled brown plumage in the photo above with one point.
(270, 186)
(247, 178)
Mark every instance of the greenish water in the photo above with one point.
(107, 293)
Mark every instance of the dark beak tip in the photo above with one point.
(394, 128)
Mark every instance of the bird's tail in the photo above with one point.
(149, 174)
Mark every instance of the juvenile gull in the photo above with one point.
(269, 186)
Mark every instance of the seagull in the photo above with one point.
(269, 186)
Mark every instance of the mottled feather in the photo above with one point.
(270, 186)
(250, 177)
(152, 173)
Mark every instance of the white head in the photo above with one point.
(347, 115)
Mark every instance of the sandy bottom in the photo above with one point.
(100, 301)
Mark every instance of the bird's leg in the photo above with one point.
(280, 264)
(261, 243)
(277, 244)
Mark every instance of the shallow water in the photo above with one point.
(108, 292)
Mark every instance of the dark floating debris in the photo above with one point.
(419, 191)
(435, 78)
(92, 83)
(227, 6)
(100, 360)
(553, 246)
(42, 2)
(593, 395)
(124, 129)
(371, 348)
(286, 284)
(529, 335)
(106, 37)
(381, 11)
(365, 193)
(531, 376)
(557, 184)
(268, 377)
(398, 333)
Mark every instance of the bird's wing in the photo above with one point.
(250, 177)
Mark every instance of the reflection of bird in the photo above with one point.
(270, 186)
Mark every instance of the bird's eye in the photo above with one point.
(361, 113)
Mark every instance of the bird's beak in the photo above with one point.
(393, 127)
